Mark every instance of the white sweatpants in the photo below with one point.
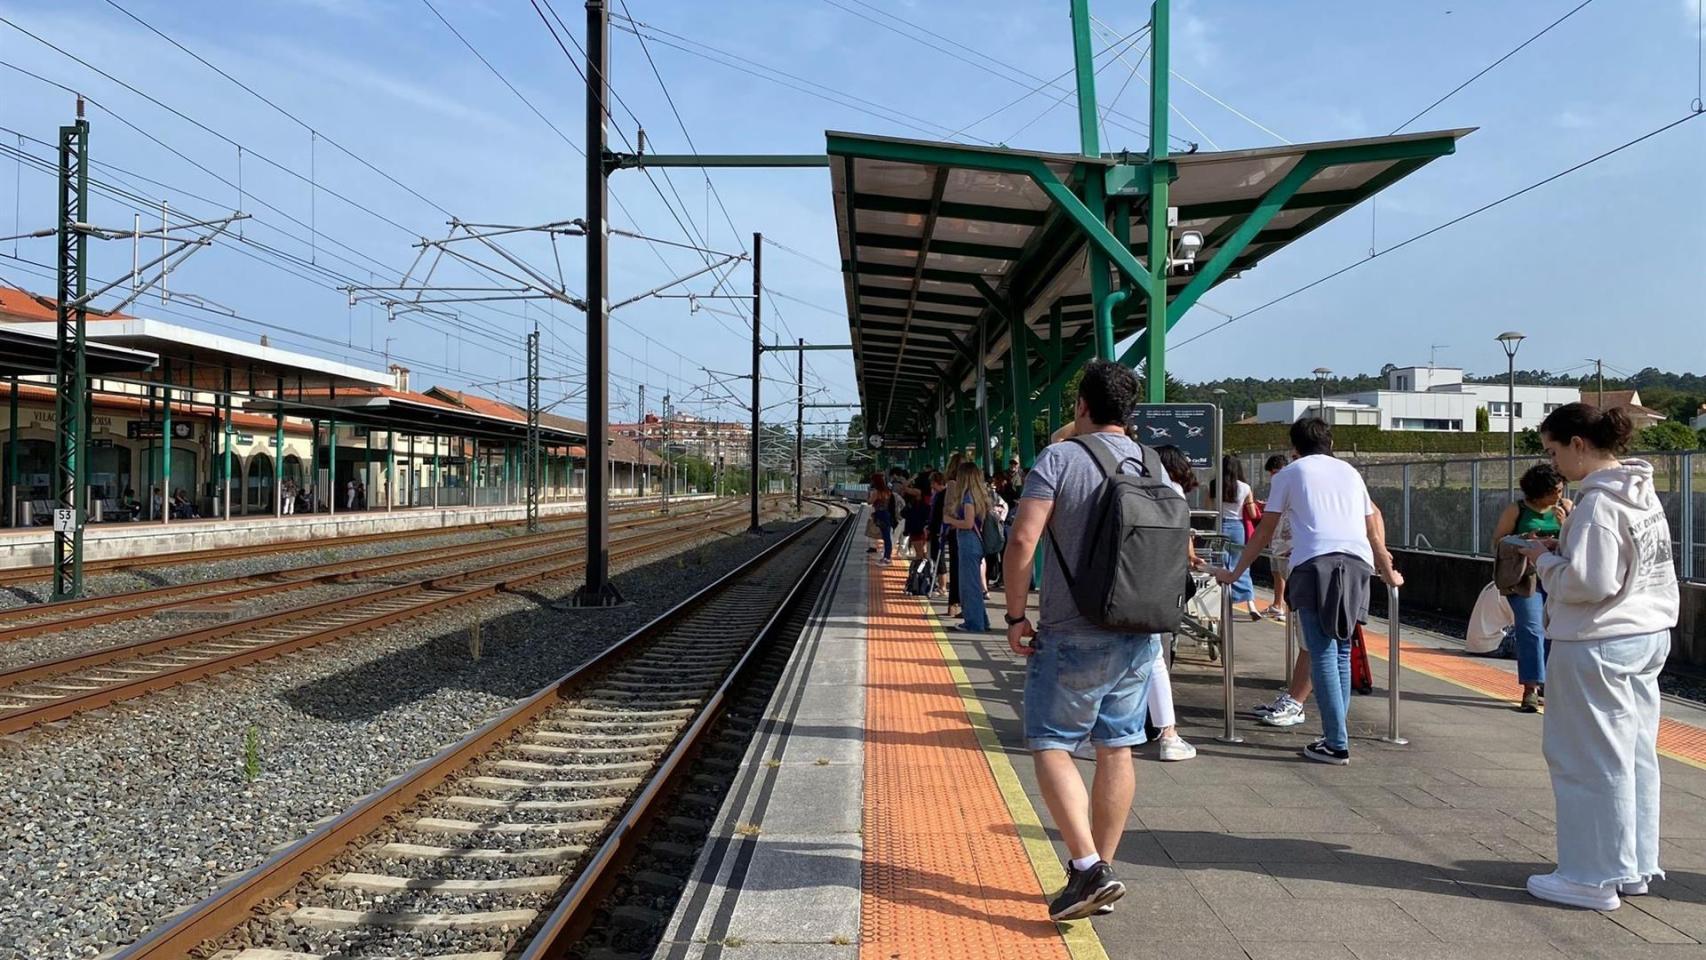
(1601, 744)
(1160, 690)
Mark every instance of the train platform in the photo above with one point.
(886, 810)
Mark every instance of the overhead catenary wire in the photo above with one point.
(1442, 226)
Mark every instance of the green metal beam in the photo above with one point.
(1084, 68)
(623, 161)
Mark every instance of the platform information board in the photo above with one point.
(1189, 426)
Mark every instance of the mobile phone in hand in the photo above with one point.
(1519, 542)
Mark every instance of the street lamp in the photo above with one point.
(1321, 375)
(1510, 340)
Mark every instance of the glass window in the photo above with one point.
(109, 472)
(183, 477)
(257, 486)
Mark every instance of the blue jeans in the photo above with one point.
(1529, 636)
(885, 523)
(1330, 670)
(968, 553)
(1243, 590)
(1091, 684)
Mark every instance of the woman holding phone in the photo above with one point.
(1611, 601)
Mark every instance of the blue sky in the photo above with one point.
(1580, 265)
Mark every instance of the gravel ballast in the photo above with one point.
(115, 820)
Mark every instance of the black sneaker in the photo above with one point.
(1086, 890)
(1321, 753)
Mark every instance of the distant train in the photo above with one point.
(856, 492)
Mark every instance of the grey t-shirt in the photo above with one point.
(1066, 474)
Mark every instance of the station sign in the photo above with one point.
(1188, 426)
(152, 430)
(910, 441)
(64, 519)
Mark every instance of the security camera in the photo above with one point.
(1186, 248)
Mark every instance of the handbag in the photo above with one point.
(872, 531)
(1512, 573)
(994, 539)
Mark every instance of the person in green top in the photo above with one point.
(1539, 515)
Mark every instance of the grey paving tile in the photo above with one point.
(1318, 921)
(1233, 881)
(1201, 847)
(800, 889)
(1456, 951)
(1377, 881)
(1689, 918)
(841, 742)
(1185, 916)
(1477, 921)
(837, 673)
(1149, 950)
(1292, 950)
(1341, 796)
(809, 800)
(1176, 819)
(1514, 759)
(832, 703)
(1648, 926)
(1419, 821)
(1155, 791)
(1526, 779)
(1329, 818)
(756, 951)
(1450, 850)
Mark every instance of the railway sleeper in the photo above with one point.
(327, 918)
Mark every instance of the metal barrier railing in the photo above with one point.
(1228, 677)
(1393, 668)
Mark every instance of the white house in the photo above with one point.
(1427, 398)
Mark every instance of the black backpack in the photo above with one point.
(1131, 571)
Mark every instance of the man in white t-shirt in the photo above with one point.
(1337, 542)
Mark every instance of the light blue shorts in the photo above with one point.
(1089, 685)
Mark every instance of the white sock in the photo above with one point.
(1085, 863)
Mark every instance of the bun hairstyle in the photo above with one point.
(1608, 430)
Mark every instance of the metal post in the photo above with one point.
(1476, 543)
(226, 437)
(332, 467)
(800, 426)
(1019, 380)
(390, 469)
(757, 379)
(1230, 733)
(598, 590)
(437, 480)
(530, 462)
(1160, 171)
(1406, 504)
(1084, 67)
(1686, 515)
(1056, 354)
(12, 456)
(72, 461)
(414, 473)
(1510, 430)
(166, 441)
(1393, 668)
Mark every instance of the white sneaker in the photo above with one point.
(1279, 701)
(1175, 748)
(1550, 886)
(1287, 714)
(1636, 889)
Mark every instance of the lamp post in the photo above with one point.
(1321, 375)
(1510, 340)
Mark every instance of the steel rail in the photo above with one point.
(17, 720)
(226, 909)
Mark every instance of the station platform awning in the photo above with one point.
(199, 359)
(940, 242)
(28, 352)
(405, 411)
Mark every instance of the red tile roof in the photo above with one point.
(22, 306)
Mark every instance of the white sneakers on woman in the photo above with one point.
(1550, 886)
(1175, 748)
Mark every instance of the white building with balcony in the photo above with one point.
(1426, 398)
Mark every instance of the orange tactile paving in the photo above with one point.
(1681, 740)
(945, 874)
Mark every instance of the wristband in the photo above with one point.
(1013, 621)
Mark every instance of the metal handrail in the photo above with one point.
(1230, 734)
(1393, 668)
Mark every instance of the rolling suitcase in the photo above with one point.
(1362, 678)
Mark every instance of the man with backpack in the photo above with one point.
(1114, 580)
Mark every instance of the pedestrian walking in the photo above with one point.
(1338, 543)
(882, 515)
(1084, 680)
(1611, 601)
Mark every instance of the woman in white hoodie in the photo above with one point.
(1611, 600)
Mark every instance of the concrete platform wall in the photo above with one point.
(1449, 584)
(34, 546)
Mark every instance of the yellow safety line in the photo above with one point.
(1080, 937)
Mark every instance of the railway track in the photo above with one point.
(45, 572)
(56, 689)
(501, 845)
(17, 623)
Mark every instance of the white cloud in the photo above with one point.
(1571, 119)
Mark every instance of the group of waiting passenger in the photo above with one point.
(1600, 599)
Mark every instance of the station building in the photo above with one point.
(1426, 398)
(290, 421)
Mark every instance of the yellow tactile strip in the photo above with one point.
(1677, 740)
(945, 872)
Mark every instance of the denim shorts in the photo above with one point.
(1088, 685)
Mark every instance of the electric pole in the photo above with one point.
(530, 461)
(800, 423)
(70, 450)
(598, 591)
(1599, 377)
(757, 378)
(664, 450)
